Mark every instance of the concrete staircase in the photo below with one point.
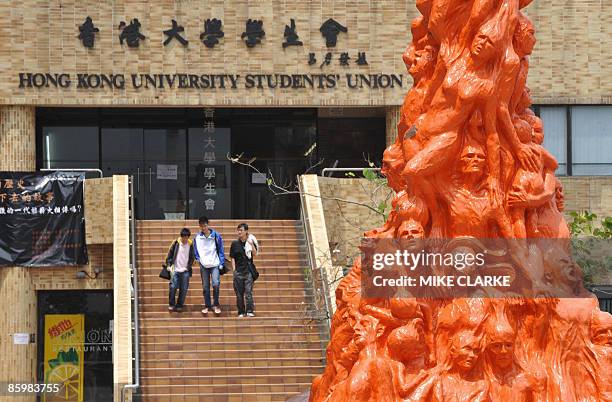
(188, 357)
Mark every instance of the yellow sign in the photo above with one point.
(64, 342)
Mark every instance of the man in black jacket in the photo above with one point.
(242, 252)
(179, 260)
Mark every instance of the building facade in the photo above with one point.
(166, 91)
(169, 91)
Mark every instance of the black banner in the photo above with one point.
(42, 222)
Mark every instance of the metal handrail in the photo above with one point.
(311, 257)
(136, 340)
(347, 170)
(74, 170)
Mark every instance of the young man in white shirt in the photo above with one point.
(180, 259)
(209, 253)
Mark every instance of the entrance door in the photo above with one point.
(156, 159)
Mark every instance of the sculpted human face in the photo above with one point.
(392, 165)
(501, 352)
(365, 330)
(601, 329)
(482, 47)
(465, 351)
(422, 59)
(524, 37)
(473, 160)
(538, 131)
(413, 230)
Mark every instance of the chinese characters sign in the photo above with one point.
(330, 67)
(42, 219)
(252, 36)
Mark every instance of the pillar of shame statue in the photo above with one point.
(468, 163)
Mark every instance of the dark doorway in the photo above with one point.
(94, 311)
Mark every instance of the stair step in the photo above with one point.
(216, 341)
(235, 379)
(196, 298)
(191, 357)
(254, 387)
(260, 358)
(239, 370)
(225, 291)
(221, 397)
(266, 280)
(265, 241)
(229, 312)
(221, 358)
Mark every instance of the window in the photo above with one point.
(70, 147)
(591, 140)
(554, 119)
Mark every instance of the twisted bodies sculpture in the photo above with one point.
(468, 163)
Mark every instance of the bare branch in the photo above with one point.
(281, 190)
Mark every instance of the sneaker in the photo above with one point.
(171, 308)
(179, 309)
(250, 314)
(217, 310)
(241, 315)
(205, 310)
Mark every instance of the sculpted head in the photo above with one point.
(601, 328)
(367, 330)
(472, 159)
(500, 345)
(465, 349)
(524, 131)
(393, 161)
(408, 342)
(411, 229)
(424, 60)
(483, 46)
(536, 125)
(524, 36)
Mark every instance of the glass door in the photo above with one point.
(122, 154)
(165, 173)
(157, 160)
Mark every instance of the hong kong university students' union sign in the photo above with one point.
(129, 34)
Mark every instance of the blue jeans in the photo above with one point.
(206, 274)
(180, 281)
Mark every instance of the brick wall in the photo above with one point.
(98, 195)
(569, 65)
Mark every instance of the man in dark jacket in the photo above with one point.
(179, 260)
(242, 252)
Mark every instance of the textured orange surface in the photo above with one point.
(469, 162)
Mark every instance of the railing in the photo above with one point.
(74, 170)
(322, 274)
(331, 170)
(135, 323)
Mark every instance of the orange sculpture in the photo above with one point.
(468, 164)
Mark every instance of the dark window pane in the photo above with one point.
(351, 141)
(70, 147)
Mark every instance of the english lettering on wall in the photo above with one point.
(185, 81)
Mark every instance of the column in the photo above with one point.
(17, 293)
(392, 118)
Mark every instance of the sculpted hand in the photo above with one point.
(517, 199)
(528, 157)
